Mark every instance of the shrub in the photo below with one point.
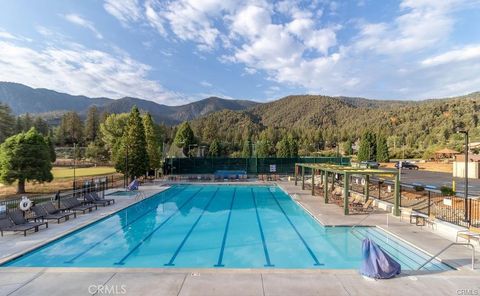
(418, 188)
(447, 191)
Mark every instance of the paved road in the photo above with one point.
(440, 179)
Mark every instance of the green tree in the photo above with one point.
(92, 124)
(292, 145)
(153, 142)
(51, 149)
(367, 150)
(112, 130)
(347, 147)
(97, 151)
(214, 150)
(25, 157)
(382, 149)
(41, 125)
(264, 147)
(6, 119)
(283, 148)
(247, 149)
(70, 130)
(133, 147)
(184, 137)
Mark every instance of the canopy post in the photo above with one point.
(346, 185)
(325, 186)
(313, 182)
(396, 204)
(303, 178)
(367, 187)
(296, 174)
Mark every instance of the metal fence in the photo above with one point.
(82, 186)
(430, 202)
(198, 165)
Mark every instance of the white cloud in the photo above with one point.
(125, 10)
(78, 20)
(467, 53)
(205, 83)
(79, 70)
(7, 35)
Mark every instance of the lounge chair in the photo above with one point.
(91, 200)
(97, 197)
(41, 213)
(365, 207)
(16, 222)
(470, 233)
(73, 204)
(51, 209)
(431, 220)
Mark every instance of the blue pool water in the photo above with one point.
(211, 226)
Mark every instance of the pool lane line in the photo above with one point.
(123, 227)
(170, 263)
(265, 249)
(225, 233)
(122, 261)
(317, 263)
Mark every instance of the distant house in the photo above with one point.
(473, 166)
(445, 154)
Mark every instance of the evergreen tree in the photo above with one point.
(112, 130)
(97, 151)
(92, 124)
(247, 149)
(283, 148)
(70, 130)
(367, 150)
(133, 147)
(264, 147)
(25, 157)
(51, 149)
(6, 119)
(41, 125)
(215, 148)
(292, 145)
(347, 147)
(153, 142)
(184, 137)
(382, 149)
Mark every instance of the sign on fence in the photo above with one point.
(273, 168)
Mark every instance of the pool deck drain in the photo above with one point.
(158, 281)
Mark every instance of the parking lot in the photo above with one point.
(438, 180)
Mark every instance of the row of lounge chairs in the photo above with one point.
(14, 221)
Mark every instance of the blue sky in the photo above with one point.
(174, 52)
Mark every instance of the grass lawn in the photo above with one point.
(59, 173)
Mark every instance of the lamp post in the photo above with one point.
(465, 132)
(74, 165)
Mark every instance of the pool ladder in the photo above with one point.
(446, 248)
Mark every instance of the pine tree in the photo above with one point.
(25, 157)
(133, 148)
(347, 147)
(71, 129)
(247, 149)
(92, 124)
(367, 150)
(283, 148)
(51, 149)
(153, 142)
(6, 119)
(382, 149)
(184, 137)
(215, 148)
(292, 145)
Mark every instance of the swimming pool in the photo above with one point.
(217, 226)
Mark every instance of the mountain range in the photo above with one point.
(49, 103)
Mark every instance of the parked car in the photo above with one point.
(370, 164)
(406, 165)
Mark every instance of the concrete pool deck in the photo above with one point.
(158, 281)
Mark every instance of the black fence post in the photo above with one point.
(429, 199)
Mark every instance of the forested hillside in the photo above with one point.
(318, 122)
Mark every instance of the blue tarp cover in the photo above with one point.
(133, 185)
(377, 263)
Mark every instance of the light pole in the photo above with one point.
(465, 132)
(74, 165)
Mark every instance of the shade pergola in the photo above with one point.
(445, 153)
(330, 169)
